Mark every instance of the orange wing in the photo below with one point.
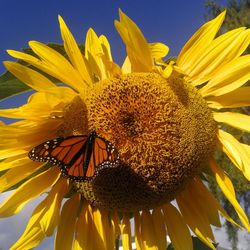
(58, 151)
(79, 157)
(103, 154)
(99, 153)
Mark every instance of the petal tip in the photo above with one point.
(120, 12)
(6, 63)
(61, 21)
(9, 51)
(222, 15)
(32, 42)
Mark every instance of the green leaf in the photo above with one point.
(11, 87)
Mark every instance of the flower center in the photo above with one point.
(163, 130)
(130, 124)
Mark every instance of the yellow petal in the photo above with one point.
(57, 67)
(159, 228)
(199, 42)
(31, 110)
(13, 162)
(158, 50)
(92, 44)
(34, 61)
(126, 67)
(106, 47)
(112, 69)
(236, 152)
(168, 70)
(101, 227)
(29, 76)
(55, 60)
(115, 221)
(227, 188)
(177, 229)
(28, 191)
(44, 218)
(52, 101)
(60, 94)
(148, 235)
(85, 235)
(126, 233)
(52, 205)
(194, 218)
(234, 99)
(32, 239)
(11, 177)
(113, 233)
(236, 120)
(27, 111)
(204, 201)
(94, 52)
(98, 53)
(65, 231)
(81, 231)
(74, 53)
(32, 133)
(109, 230)
(210, 201)
(6, 153)
(99, 232)
(138, 240)
(138, 49)
(222, 50)
(230, 77)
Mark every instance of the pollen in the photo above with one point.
(163, 130)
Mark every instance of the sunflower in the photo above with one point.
(164, 118)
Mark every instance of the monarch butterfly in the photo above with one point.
(79, 157)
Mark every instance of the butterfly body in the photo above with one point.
(79, 157)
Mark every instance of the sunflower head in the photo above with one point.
(164, 132)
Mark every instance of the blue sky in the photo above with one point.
(170, 22)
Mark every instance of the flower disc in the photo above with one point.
(164, 133)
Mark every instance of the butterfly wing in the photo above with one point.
(77, 156)
(60, 151)
(103, 154)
